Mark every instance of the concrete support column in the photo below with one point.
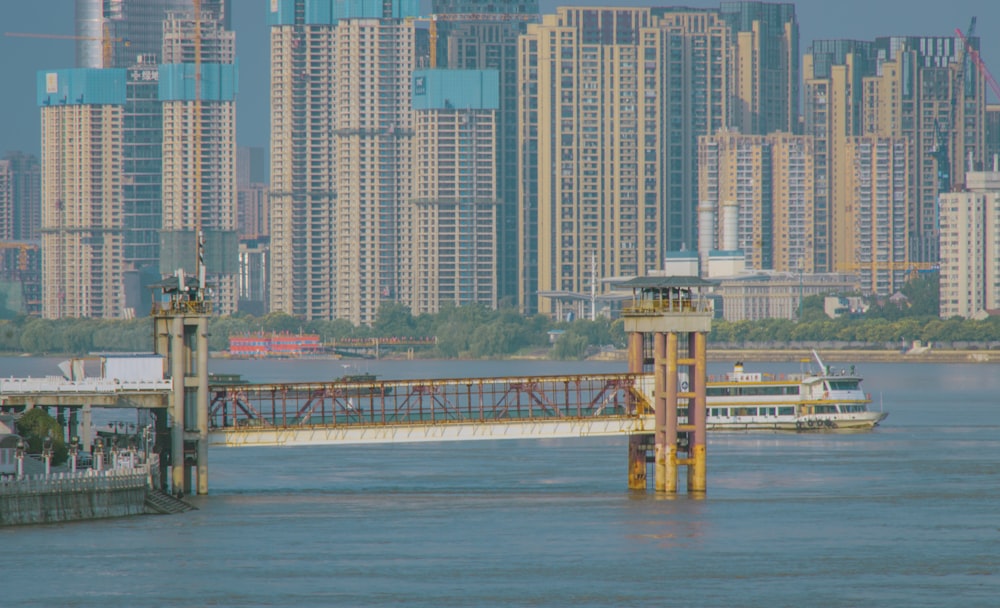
(634, 353)
(637, 462)
(202, 354)
(697, 415)
(660, 411)
(668, 440)
(86, 428)
(177, 360)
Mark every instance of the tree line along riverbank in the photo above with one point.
(478, 332)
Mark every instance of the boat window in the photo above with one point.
(766, 411)
(826, 409)
(717, 391)
(786, 411)
(745, 411)
(843, 385)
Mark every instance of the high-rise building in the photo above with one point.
(832, 76)
(927, 92)
(767, 180)
(455, 207)
(970, 247)
(20, 197)
(114, 33)
(82, 123)
(197, 89)
(991, 135)
(697, 74)
(482, 35)
(765, 66)
(871, 235)
(341, 156)
(591, 162)
(142, 173)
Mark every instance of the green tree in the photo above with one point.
(924, 293)
(34, 426)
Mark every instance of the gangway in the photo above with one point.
(427, 410)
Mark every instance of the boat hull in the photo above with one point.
(815, 424)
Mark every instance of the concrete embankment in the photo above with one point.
(64, 497)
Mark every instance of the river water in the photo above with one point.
(906, 515)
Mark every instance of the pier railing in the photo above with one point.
(426, 402)
(80, 481)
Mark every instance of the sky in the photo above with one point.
(21, 58)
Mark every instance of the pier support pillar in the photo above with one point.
(86, 428)
(697, 414)
(202, 406)
(662, 309)
(180, 315)
(638, 446)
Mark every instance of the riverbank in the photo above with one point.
(851, 356)
(837, 355)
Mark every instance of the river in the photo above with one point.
(906, 515)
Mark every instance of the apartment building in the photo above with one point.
(832, 77)
(873, 237)
(767, 180)
(81, 176)
(197, 90)
(924, 92)
(341, 156)
(970, 247)
(455, 206)
(482, 35)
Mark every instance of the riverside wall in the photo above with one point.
(61, 497)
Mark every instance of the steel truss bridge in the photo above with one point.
(427, 410)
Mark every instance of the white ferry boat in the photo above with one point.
(827, 400)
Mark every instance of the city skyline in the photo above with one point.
(20, 126)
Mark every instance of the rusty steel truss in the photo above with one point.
(425, 402)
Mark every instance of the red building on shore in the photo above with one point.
(267, 345)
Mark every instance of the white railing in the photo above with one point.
(56, 384)
(80, 481)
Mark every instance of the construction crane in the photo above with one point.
(107, 41)
(977, 60)
(432, 24)
(940, 154)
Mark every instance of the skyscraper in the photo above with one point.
(482, 35)
(766, 66)
(591, 161)
(833, 71)
(113, 33)
(768, 180)
(970, 247)
(20, 197)
(142, 173)
(455, 205)
(925, 92)
(197, 89)
(341, 156)
(82, 192)
(697, 74)
(871, 236)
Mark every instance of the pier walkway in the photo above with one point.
(427, 410)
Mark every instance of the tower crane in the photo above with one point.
(107, 41)
(977, 60)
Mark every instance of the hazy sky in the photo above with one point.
(21, 58)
